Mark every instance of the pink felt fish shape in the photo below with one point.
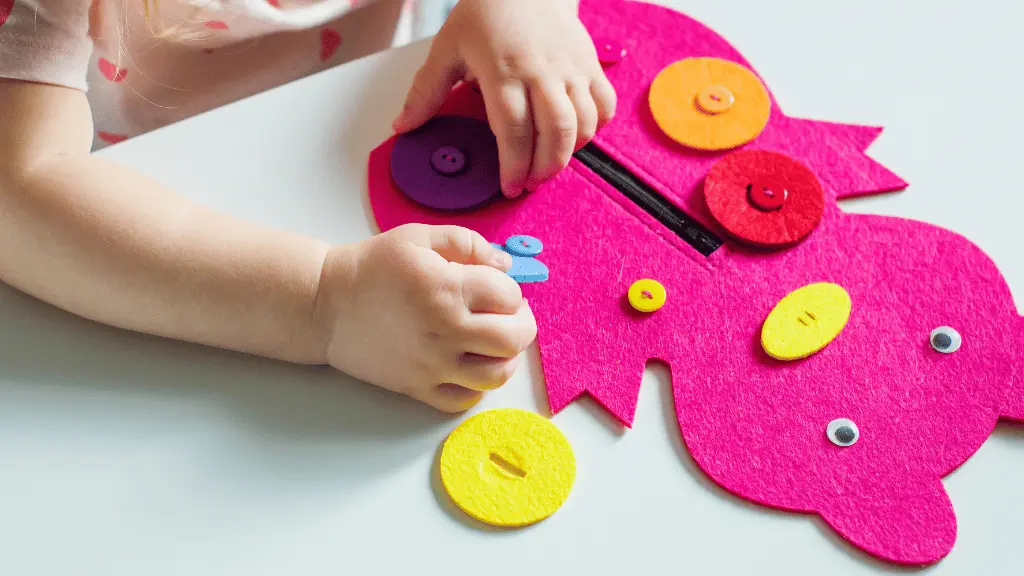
(755, 425)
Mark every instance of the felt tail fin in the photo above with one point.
(912, 524)
(842, 163)
(1013, 405)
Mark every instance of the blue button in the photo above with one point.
(523, 246)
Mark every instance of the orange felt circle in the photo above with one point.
(675, 101)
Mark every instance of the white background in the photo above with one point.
(128, 455)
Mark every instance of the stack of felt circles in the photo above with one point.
(450, 163)
(764, 199)
(709, 103)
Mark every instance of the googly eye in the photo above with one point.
(843, 432)
(945, 339)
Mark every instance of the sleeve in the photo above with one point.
(45, 41)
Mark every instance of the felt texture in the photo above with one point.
(753, 424)
(525, 268)
(526, 246)
(646, 295)
(731, 190)
(681, 103)
(805, 321)
(508, 467)
(609, 51)
(450, 163)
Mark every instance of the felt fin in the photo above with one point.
(613, 383)
(869, 175)
(1013, 404)
(837, 155)
(912, 528)
(464, 100)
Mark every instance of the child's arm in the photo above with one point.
(104, 242)
(421, 310)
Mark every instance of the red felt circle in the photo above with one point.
(727, 192)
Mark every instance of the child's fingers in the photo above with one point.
(450, 398)
(586, 111)
(484, 374)
(464, 246)
(508, 112)
(500, 335)
(430, 88)
(489, 291)
(555, 119)
(605, 99)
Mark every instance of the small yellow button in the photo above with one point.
(715, 99)
(805, 321)
(647, 295)
(508, 467)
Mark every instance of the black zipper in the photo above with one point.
(691, 231)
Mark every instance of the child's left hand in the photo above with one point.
(545, 91)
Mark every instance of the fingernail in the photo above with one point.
(503, 260)
(512, 192)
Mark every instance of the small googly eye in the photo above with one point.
(945, 339)
(843, 432)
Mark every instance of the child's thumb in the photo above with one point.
(429, 89)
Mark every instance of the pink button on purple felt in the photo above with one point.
(450, 163)
(448, 160)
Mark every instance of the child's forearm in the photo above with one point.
(108, 244)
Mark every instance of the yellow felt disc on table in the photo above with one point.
(709, 103)
(805, 321)
(508, 467)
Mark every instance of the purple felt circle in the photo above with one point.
(478, 180)
(448, 160)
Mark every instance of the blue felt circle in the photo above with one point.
(521, 245)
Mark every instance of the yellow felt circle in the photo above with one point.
(805, 321)
(508, 467)
(647, 295)
(682, 105)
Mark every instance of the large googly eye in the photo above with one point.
(945, 339)
(843, 432)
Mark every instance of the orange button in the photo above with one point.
(709, 103)
(715, 99)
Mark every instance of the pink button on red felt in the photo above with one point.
(764, 199)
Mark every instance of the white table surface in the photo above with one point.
(128, 455)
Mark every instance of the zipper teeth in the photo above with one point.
(691, 231)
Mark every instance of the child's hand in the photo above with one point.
(544, 88)
(426, 311)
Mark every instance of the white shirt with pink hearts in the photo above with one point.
(148, 63)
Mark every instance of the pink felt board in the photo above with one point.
(756, 425)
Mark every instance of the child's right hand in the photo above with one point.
(426, 311)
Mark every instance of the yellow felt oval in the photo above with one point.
(805, 321)
(508, 467)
